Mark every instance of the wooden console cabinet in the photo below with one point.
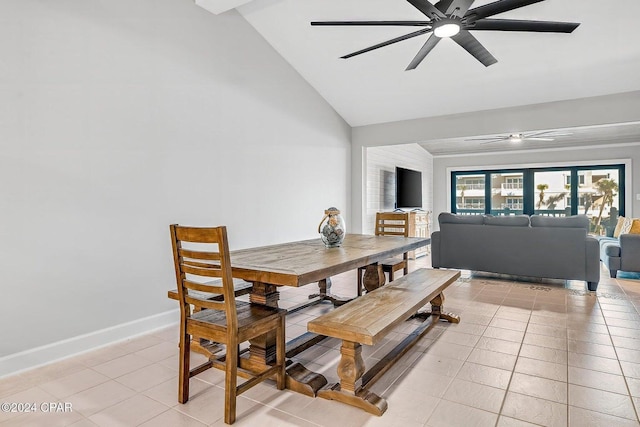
(419, 227)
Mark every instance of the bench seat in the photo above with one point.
(368, 319)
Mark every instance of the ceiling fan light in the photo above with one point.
(446, 30)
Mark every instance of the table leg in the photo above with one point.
(325, 294)
(373, 277)
(262, 349)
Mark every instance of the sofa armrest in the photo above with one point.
(435, 249)
(592, 248)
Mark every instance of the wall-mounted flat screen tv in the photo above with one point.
(408, 188)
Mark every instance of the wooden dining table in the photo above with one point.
(301, 263)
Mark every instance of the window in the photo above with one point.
(544, 191)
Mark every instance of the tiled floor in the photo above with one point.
(525, 353)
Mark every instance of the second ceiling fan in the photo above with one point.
(453, 19)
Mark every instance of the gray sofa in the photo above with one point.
(621, 253)
(536, 246)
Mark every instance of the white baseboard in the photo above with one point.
(46, 354)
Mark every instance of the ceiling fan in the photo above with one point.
(515, 138)
(453, 19)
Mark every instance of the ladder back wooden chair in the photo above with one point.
(390, 224)
(205, 255)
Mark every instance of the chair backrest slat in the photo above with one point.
(188, 268)
(209, 256)
(203, 287)
(205, 303)
(193, 270)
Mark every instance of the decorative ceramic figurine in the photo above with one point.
(332, 228)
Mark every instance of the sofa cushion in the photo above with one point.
(507, 220)
(619, 224)
(635, 226)
(575, 221)
(449, 218)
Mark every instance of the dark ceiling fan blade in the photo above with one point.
(473, 46)
(375, 23)
(431, 42)
(522, 25)
(388, 42)
(429, 10)
(455, 8)
(498, 7)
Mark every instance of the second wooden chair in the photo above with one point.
(390, 224)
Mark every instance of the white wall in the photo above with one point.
(596, 156)
(381, 167)
(120, 117)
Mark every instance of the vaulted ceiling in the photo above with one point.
(602, 56)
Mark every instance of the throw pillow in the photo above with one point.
(635, 226)
(626, 226)
(616, 232)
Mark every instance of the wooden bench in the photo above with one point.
(366, 320)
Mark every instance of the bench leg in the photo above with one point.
(349, 390)
(436, 310)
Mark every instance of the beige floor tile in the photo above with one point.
(44, 419)
(534, 410)
(627, 355)
(630, 369)
(597, 379)
(501, 346)
(585, 347)
(33, 396)
(634, 387)
(449, 414)
(618, 405)
(624, 342)
(592, 337)
(415, 381)
(545, 341)
(492, 358)
(167, 392)
(447, 349)
(147, 377)
(459, 338)
(624, 332)
(95, 399)
(485, 375)
(547, 330)
(511, 324)
(159, 351)
(408, 405)
(172, 418)
(579, 417)
(74, 383)
(512, 422)
(542, 388)
(475, 395)
(504, 334)
(122, 365)
(129, 412)
(540, 368)
(438, 365)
